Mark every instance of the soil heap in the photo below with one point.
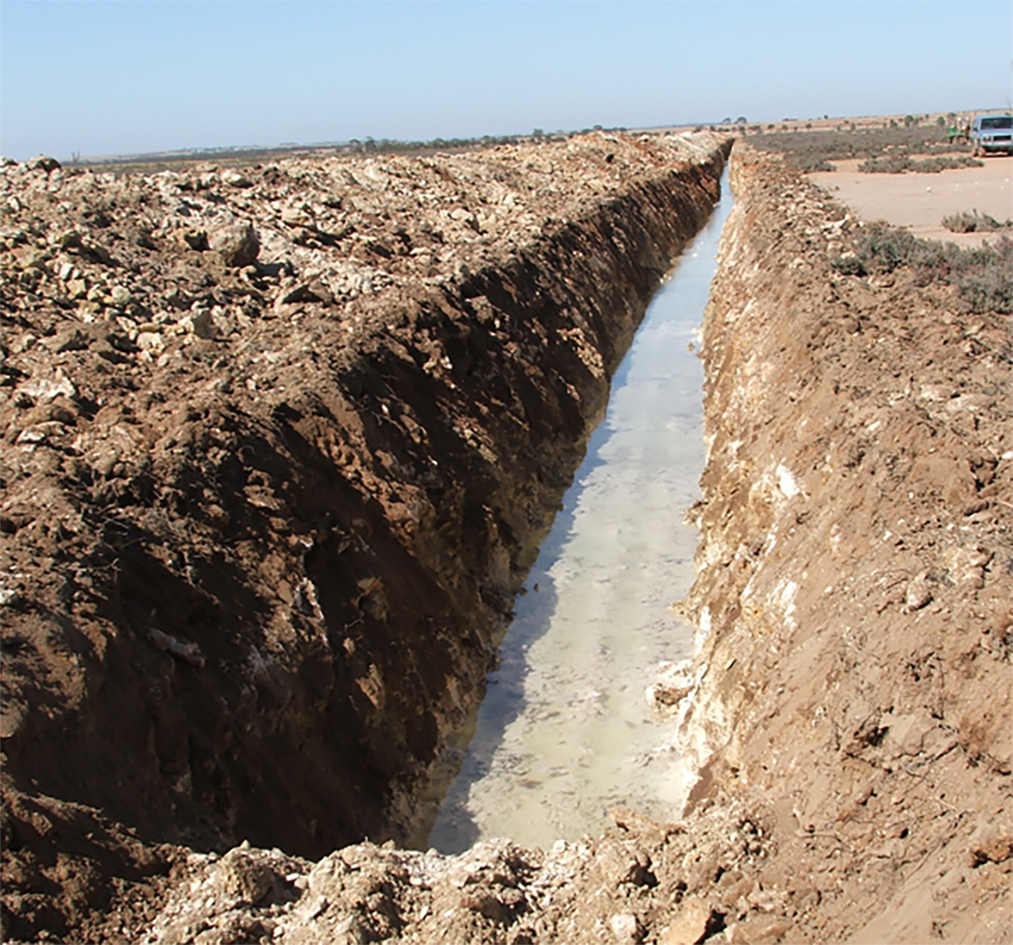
(279, 445)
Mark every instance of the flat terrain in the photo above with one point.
(918, 202)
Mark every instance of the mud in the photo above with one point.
(847, 713)
(279, 445)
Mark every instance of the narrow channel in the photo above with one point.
(565, 731)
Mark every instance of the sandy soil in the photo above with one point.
(919, 202)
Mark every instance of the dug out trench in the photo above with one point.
(256, 569)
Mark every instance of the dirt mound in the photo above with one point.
(853, 599)
(279, 445)
(639, 880)
(848, 712)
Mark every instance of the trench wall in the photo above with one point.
(292, 603)
(852, 680)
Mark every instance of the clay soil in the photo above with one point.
(848, 713)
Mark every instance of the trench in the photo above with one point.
(565, 731)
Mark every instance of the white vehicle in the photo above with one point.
(992, 133)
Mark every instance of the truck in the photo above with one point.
(992, 133)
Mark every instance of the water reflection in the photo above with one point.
(564, 732)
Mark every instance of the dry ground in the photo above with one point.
(918, 202)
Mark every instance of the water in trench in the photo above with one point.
(565, 731)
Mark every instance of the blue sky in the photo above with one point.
(105, 78)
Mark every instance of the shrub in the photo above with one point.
(961, 223)
(934, 165)
(807, 151)
(983, 275)
(848, 265)
(973, 223)
(892, 164)
(899, 163)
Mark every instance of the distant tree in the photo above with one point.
(741, 120)
(941, 121)
(537, 133)
(726, 121)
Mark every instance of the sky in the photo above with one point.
(115, 77)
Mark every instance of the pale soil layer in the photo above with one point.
(848, 712)
(918, 202)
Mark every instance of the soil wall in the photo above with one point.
(853, 591)
(279, 448)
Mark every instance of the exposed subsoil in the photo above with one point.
(848, 712)
(279, 444)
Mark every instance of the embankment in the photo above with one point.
(853, 594)
(279, 445)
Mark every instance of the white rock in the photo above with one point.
(786, 482)
(624, 927)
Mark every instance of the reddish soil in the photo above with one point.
(848, 713)
(279, 445)
(854, 591)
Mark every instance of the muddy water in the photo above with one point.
(565, 732)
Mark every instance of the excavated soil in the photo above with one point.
(854, 590)
(279, 446)
(847, 713)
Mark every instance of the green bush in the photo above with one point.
(961, 223)
(848, 265)
(892, 164)
(899, 163)
(935, 164)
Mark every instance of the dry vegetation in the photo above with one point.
(882, 148)
(981, 275)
